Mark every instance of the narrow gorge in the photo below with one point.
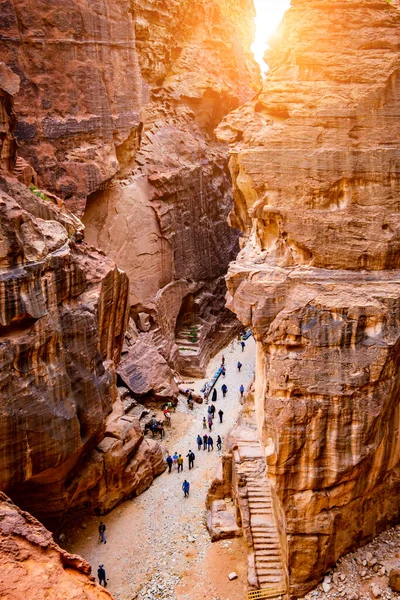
(158, 199)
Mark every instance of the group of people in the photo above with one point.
(204, 442)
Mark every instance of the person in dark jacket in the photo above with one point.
(199, 442)
(224, 389)
(219, 442)
(190, 456)
(221, 414)
(170, 462)
(210, 443)
(214, 395)
(101, 574)
(102, 532)
(241, 389)
(205, 440)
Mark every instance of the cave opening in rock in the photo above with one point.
(188, 314)
(269, 14)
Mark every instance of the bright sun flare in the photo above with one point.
(269, 15)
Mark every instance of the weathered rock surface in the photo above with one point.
(80, 93)
(34, 566)
(125, 137)
(63, 315)
(143, 370)
(163, 219)
(316, 170)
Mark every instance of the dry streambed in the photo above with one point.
(157, 544)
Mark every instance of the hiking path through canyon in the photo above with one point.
(157, 544)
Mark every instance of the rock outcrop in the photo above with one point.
(80, 93)
(316, 170)
(63, 314)
(125, 137)
(163, 218)
(34, 566)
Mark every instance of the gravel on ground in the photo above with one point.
(157, 545)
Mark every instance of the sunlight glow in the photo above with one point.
(269, 15)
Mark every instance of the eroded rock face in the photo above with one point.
(24, 542)
(63, 316)
(80, 93)
(163, 220)
(316, 169)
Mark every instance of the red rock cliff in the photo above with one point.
(24, 544)
(316, 169)
(63, 315)
(163, 219)
(116, 110)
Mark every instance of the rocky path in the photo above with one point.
(157, 544)
(363, 574)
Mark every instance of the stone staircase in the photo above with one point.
(259, 522)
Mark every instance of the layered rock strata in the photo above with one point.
(63, 314)
(163, 219)
(80, 93)
(316, 170)
(124, 137)
(24, 543)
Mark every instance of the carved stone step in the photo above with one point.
(265, 577)
(271, 564)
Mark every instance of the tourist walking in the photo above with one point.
(239, 366)
(204, 423)
(224, 389)
(186, 488)
(210, 423)
(101, 574)
(175, 459)
(242, 343)
(190, 456)
(223, 371)
(102, 533)
(241, 390)
(220, 414)
(205, 440)
(170, 462)
(180, 463)
(219, 442)
(214, 395)
(210, 443)
(212, 410)
(199, 442)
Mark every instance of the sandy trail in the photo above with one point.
(157, 544)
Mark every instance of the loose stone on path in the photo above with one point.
(157, 544)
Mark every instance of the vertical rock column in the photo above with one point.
(316, 171)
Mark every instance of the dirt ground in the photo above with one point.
(157, 544)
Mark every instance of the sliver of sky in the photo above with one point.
(269, 15)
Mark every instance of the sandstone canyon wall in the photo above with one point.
(164, 218)
(63, 313)
(316, 170)
(116, 113)
(33, 566)
(112, 106)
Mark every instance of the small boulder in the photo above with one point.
(394, 580)
(326, 587)
(376, 590)
(232, 576)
